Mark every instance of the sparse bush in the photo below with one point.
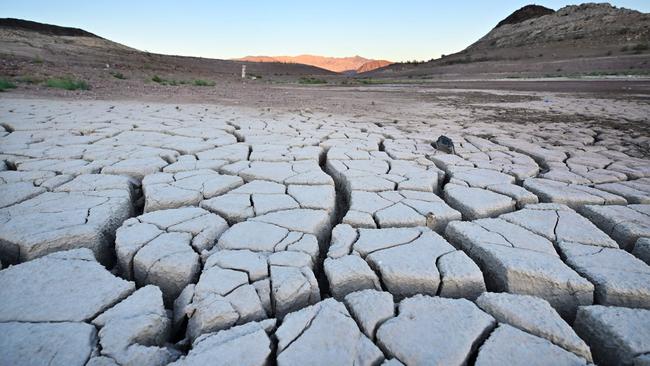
(6, 85)
(625, 49)
(199, 82)
(67, 83)
(118, 75)
(29, 79)
(311, 80)
(466, 60)
(609, 53)
(162, 81)
(364, 80)
(172, 82)
(37, 60)
(638, 48)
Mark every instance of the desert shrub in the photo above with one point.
(170, 82)
(29, 79)
(465, 60)
(199, 82)
(6, 85)
(118, 75)
(640, 47)
(67, 83)
(310, 80)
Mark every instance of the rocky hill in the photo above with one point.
(525, 13)
(42, 28)
(22, 38)
(593, 36)
(337, 64)
(578, 29)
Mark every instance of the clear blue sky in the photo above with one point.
(393, 30)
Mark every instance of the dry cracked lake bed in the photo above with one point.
(137, 233)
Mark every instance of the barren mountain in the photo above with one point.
(37, 51)
(581, 38)
(44, 28)
(372, 65)
(525, 13)
(585, 29)
(337, 64)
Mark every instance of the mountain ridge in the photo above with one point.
(531, 11)
(352, 64)
(43, 28)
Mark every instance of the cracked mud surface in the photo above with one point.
(154, 234)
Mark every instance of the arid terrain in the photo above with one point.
(161, 210)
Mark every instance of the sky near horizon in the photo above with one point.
(392, 30)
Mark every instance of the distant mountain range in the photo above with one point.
(351, 65)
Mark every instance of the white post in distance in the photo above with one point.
(243, 71)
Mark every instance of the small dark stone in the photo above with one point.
(445, 144)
